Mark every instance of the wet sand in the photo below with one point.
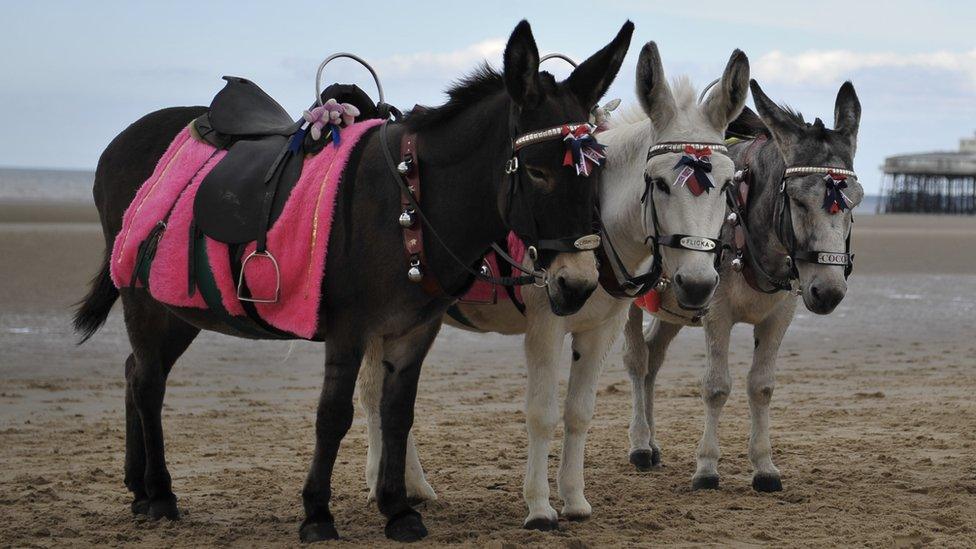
(872, 421)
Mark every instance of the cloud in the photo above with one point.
(450, 62)
(816, 66)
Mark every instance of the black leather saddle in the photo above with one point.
(239, 200)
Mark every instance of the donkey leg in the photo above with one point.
(543, 345)
(761, 381)
(590, 350)
(370, 394)
(343, 356)
(644, 355)
(403, 358)
(158, 339)
(715, 388)
(635, 361)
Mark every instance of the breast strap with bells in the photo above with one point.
(737, 198)
(614, 276)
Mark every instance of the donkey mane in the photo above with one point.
(682, 89)
(483, 82)
(466, 92)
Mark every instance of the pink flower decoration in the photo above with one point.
(330, 113)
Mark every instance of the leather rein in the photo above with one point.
(407, 176)
(737, 198)
(615, 278)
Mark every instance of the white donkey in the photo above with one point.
(636, 216)
(792, 211)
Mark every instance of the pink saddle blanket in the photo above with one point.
(298, 239)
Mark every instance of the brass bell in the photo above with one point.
(414, 274)
(732, 218)
(406, 219)
(737, 264)
(403, 168)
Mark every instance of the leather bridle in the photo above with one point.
(625, 285)
(787, 234)
(737, 199)
(518, 216)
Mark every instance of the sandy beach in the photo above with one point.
(873, 419)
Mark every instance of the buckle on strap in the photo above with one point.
(512, 165)
(240, 280)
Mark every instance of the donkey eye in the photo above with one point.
(535, 173)
(662, 185)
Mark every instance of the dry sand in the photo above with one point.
(874, 420)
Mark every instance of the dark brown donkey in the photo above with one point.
(463, 147)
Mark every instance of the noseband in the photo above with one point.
(696, 161)
(835, 201)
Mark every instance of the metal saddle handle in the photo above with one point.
(360, 60)
(557, 55)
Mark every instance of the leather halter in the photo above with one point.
(521, 219)
(614, 277)
(737, 198)
(407, 176)
(787, 234)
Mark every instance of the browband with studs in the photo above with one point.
(807, 170)
(679, 147)
(555, 132)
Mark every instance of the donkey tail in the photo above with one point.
(92, 311)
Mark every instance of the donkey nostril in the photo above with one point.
(561, 280)
(816, 292)
(679, 279)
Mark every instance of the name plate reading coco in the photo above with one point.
(828, 258)
(697, 243)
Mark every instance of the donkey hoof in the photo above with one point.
(709, 482)
(767, 483)
(542, 524)
(645, 460)
(140, 506)
(164, 508)
(406, 527)
(577, 513)
(310, 532)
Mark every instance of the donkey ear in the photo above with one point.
(591, 79)
(653, 91)
(725, 103)
(522, 66)
(783, 128)
(847, 112)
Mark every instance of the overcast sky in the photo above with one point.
(74, 74)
